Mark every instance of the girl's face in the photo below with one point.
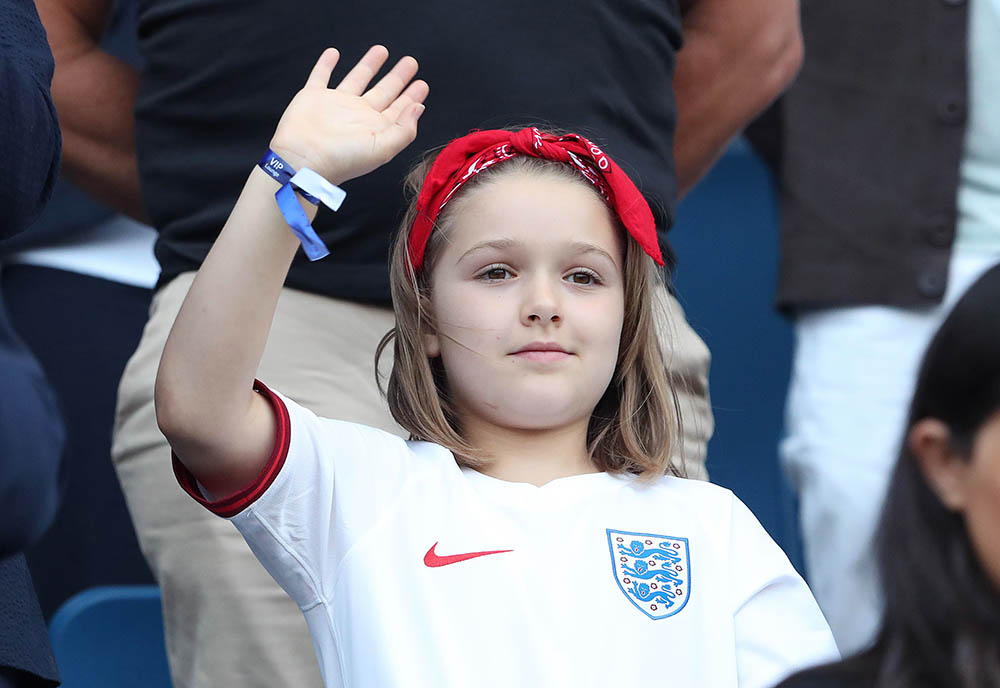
(529, 301)
(981, 498)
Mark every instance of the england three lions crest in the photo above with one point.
(654, 571)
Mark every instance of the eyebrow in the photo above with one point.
(498, 244)
(576, 248)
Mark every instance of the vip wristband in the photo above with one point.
(313, 188)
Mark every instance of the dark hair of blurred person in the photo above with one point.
(938, 541)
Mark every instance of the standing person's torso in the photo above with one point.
(873, 134)
(219, 74)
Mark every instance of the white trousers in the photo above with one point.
(852, 380)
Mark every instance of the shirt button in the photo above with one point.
(931, 284)
(951, 110)
(940, 231)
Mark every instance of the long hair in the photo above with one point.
(632, 427)
(941, 623)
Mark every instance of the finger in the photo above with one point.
(367, 67)
(319, 77)
(398, 136)
(391, 85)
(414, 93)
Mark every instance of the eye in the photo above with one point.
(584, 278)
(495, 273)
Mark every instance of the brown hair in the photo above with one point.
(632, 427)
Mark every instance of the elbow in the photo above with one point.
(780, 53)
(788, 60)
(173, 412)
(166, 407)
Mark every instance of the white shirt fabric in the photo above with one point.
(354, 516)
(118, 250)
(978, 226)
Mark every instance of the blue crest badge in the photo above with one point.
(654, 571)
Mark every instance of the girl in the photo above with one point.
(526, 535)
(938, 543)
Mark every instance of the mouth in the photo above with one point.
(543, 352)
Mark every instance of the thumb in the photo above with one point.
(401, 134)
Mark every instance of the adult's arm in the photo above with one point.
(94, 93)
(738, 56)
(31, 434)
(29, 130)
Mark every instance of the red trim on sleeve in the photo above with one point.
(238, 501)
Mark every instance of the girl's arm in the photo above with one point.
(218, 427)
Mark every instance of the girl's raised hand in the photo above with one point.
(347, 131)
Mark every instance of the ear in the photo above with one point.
(432, 344)
(943, 469)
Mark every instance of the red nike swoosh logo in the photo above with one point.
(433, 560)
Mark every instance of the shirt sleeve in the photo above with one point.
(324, 486)
(779, 627)
(30, 142)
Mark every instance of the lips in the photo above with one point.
(541, 346)
(542, 352)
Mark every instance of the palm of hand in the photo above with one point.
(348, 131)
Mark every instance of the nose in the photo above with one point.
(541, 305)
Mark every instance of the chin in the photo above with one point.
(537, 414)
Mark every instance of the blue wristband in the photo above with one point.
(281, 171)
(313, 188)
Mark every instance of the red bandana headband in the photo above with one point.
(465, 157)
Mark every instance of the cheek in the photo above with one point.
(981, 517)
(467, 316)
(982, 510)
(602, 321)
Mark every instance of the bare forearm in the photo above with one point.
(203, 386)
(94, 94)
(738, 56)
(204, 405)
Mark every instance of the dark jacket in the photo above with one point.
(871, 145)
(31, 434)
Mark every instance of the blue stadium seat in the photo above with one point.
(111, 637)
(726, 239)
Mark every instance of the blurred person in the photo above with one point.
(938, 541)
(888, 153)
(203, 111)
(77, 287)
(31, 432)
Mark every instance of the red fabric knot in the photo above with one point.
(467, 156)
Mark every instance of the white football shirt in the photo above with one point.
(412, 571)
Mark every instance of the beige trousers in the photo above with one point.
(227, 622)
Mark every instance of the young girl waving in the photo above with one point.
(528, 534)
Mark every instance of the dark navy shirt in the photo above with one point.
(219, 73)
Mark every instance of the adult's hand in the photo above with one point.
(738, 56)
(94, 94)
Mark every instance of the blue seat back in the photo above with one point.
(111, 636)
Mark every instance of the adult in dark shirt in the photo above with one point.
(216, 79)
(31, 433)
(937, 544)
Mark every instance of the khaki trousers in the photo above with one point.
(227, 622)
